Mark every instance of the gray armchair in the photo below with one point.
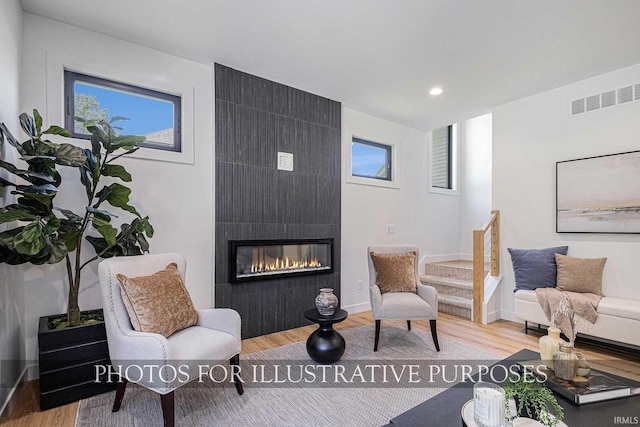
(215, 337)
(422, 305)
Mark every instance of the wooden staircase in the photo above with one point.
(454, 282)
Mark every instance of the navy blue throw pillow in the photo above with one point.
(535, 268)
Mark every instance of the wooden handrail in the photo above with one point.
(493, 226)
(493, 218)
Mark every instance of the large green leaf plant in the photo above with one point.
(40, 232)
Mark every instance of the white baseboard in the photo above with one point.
(510, 315)
(33, 372)
(12, 398)
(357, 308)
(492, 316)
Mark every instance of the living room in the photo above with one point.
(514, 123)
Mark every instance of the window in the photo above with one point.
(154, 114)
(441, 158)
(370, 159)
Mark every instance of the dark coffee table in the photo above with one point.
(444, 409)
(325, 345)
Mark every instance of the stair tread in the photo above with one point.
(447, 281)
(455, 301)
(460, 264)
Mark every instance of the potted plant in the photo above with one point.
(532, 399)
(43, 232)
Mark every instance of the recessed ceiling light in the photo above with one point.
(435, 91)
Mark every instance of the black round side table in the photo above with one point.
(325, 344)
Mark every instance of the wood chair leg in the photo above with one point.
(168, 409)
(409, 324)
(235, 369)
(121, 385)
(434, 333)
(375, 345)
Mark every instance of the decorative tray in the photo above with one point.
(467, 418)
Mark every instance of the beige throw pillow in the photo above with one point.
(395, 272)
(580, 274)
(159, 303)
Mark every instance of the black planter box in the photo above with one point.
(67, 360)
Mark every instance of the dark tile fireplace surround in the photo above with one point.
(282, 214)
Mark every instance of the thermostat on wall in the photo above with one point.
(285, 161)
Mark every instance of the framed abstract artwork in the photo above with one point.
(599, 194)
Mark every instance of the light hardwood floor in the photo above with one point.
(501, 338)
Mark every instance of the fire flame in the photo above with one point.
(284, 264)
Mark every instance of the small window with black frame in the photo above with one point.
(150, 113)
(370, 159)
(441, 160)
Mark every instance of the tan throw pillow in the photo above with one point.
(159, 303)
(580, 274)
(395, 272)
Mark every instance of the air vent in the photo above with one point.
(610, 98)
(577, 106)
(593, 102)
(625, 94)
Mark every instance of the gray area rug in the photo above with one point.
(369, 399)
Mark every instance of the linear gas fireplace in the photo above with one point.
(269, 259)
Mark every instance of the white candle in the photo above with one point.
(488, 401)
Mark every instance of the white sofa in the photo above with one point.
(618, 319)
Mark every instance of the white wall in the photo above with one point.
(427, 219)
(475, 178)
(529, 137)
(178, 197)
(11, 288)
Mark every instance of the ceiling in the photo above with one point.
(382, 56)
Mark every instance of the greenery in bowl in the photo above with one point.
(533, 399)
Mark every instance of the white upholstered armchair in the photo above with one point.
(419, 305)
(214, 338)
